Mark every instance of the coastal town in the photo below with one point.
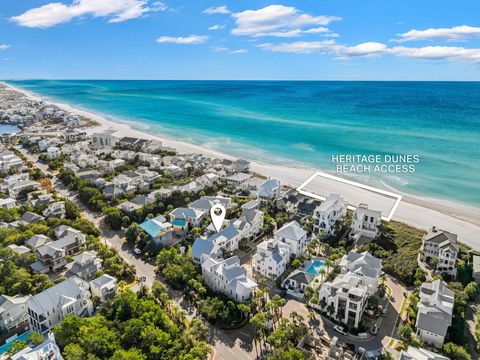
(108, 251)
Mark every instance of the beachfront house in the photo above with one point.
(293, 235)
(48, 308)
(239, 180)
(228, 277)
(328, 213)
(271, 259)
(104, 139)
(346, 297)
(442, 246)
(435, 310)
(269, 190)
(365, 223)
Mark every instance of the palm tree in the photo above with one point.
(260, 322)
(322, 273)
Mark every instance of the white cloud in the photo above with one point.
(216, 27)
(278, 21)
(227, 50)
(4, 47)
(216, 10)
(437, 53)
(187, 40)
(57, 13)
(367, 49)
(375, 49)
(451, 34)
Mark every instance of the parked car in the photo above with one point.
(361, 351)
(340, 329)
(384, 312)
(374, 329)
(137, 251)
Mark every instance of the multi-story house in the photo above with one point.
(104, 287)
(239, 180)
(48, 308)
(51, 257)
(228, 277)
(271, 259)
(205, 203)
(8, 162)
(269, 190)
(293, 235)
(13, 312)
(193, 216)
(55, 209)
(435, 310)
(365, 223)
(250, 222)
(347, 295)
(160, 231)
(8, 203)
(104, 139)
(226, 240)
(85, 265)
(333, 209)
(442, 246)
(47, 350)
(54, 152)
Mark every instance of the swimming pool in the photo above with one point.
(315, 267)
(5, 347)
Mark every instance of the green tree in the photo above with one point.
(113, 218)
(471, 290)
(456, 352)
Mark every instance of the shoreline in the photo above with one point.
(421, 212)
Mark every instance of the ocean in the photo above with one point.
(306, 123)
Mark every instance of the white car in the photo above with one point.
(340, 329)
(137, 251)
(374, 329)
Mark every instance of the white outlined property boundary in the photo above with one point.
(397, 197)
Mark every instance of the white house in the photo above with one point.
(228, 277)
(205, 203)
(47, 350)
(271, 259)
(104, 139)
(225, 240)
(347, 295)
(441, 245)
(365, 223)
(55, 209)
(435, 310)
(13, 312)
(8, 203)
(48, 308)
(193, 216)
(413, 353)
(239, 180)
(9, 161)
(269, 190)
(53, 152)
(104, 287)
(333, 209)
(293, 235)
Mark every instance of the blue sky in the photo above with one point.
(171, 39)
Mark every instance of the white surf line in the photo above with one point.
(397, 197)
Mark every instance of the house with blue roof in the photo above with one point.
(161, 232)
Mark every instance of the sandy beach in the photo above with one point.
(417, 211)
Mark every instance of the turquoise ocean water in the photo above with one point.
(306, 123)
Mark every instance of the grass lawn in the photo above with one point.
(398, 247)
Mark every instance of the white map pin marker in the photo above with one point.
(218, 212)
